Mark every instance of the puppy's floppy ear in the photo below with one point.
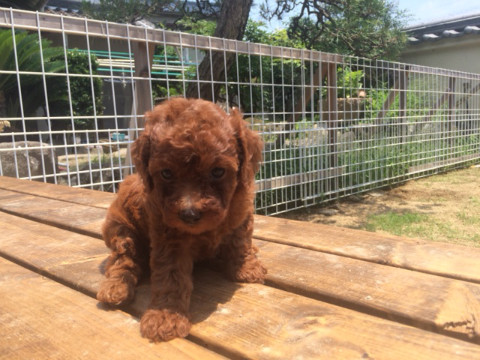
(141, 157)
(250, 147)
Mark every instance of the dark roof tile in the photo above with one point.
(448, 28)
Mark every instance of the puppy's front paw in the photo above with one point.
(164, 325)
(252, 271)
(115, 292)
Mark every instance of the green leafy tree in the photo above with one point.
(230, 17)
(196, 26)
(24, 4)
(261, 70)
(364, 28)
(231, 23)
(127, 11)
(83, 91)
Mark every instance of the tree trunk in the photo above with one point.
(231, 25)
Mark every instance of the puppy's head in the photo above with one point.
(194, 159)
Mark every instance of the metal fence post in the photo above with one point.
(402, 108)
(332, 121)
(451, 108)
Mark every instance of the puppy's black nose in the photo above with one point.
(190, 216)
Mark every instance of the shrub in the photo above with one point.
(29, 59)
(82, 91)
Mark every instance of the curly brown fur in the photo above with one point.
(191, 200)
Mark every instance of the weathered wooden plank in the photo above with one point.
(373, 298)
(67, 215)
(59, 192)
(51, 250)
(454, 261)
(433, 303)
(41, 319)
(281, 325)
(434, 258)
(443, 305)
(255, 321)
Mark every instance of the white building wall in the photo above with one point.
(461, 53)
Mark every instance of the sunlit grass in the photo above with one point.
(401, 224)
(460, 229)
(468, 218)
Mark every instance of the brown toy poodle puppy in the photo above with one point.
(191, 200)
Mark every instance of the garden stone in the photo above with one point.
(24, 156)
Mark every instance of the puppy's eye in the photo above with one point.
(167, 174)
(218, 172)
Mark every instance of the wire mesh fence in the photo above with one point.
(73, 92)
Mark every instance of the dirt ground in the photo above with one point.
(443, 207)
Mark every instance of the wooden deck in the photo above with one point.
(331, 293)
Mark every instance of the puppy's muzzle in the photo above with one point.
(190, 216)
